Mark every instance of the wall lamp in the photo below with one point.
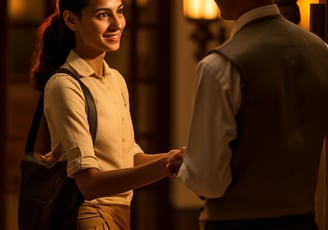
(26, 11)
(202, 13)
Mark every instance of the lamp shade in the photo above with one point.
(200, 9)
(304, 6)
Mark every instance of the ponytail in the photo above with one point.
(54, 42)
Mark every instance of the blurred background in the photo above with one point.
(162, 43)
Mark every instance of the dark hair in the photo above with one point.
(290, 10)
(54, 42)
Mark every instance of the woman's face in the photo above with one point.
(100, 27)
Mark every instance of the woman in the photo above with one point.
(77, 36)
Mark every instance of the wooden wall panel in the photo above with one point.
(321, 201)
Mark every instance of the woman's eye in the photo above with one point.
(120, 10)
(102, 15)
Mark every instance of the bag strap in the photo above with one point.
(90, 108)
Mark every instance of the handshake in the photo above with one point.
(174, 161)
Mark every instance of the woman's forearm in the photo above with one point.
(143, 158)
(94, 184)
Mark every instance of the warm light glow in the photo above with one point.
(23, 10)
(142, 2)
(304, 6)
(16, 8)
(200, 9)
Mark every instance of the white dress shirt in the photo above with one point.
(217, 99)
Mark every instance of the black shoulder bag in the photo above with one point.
(48, 199)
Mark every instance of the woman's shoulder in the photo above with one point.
(62, 82)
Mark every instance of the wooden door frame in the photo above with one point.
(3, 67)
(321, 201)
(155, 135)
(324, 158)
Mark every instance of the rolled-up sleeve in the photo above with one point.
(206, 166)
(64, 107)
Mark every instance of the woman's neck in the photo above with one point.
(248, 5)
(97, 65)
(94, 60)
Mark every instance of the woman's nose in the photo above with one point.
(117, 22)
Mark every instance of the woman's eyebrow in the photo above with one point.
(107, 9)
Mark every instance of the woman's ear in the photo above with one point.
(70, 19)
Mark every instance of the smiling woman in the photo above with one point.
(77, 36)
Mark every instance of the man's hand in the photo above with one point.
(175, 160)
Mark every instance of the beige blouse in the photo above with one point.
(64, 107)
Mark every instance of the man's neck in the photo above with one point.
(247, 5)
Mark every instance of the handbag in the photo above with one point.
(48, 199)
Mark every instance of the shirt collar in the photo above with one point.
(256, 13)
(82, 68)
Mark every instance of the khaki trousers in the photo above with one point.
(104, 217)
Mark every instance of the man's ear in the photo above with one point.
(70, 19)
